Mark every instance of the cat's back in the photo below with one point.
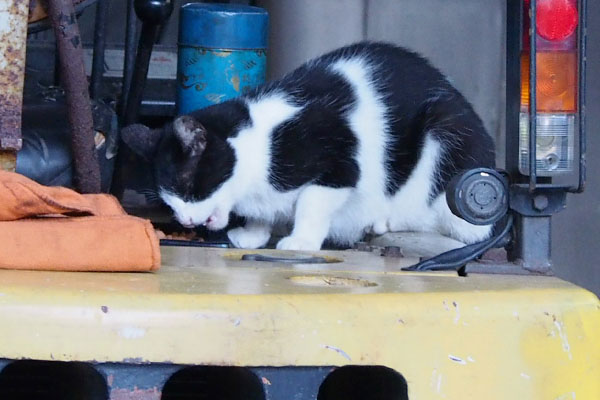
(386, 66)
(365, 112)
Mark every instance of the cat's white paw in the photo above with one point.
(380, 227)
(296, 243)
(248, 238)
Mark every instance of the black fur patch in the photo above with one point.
(316, 146)
(224, 120)
(465, 143)
(196, 177)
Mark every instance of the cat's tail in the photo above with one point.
(465, 143)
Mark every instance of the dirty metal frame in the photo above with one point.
(13, 36)
(535, 199)
(146, 381)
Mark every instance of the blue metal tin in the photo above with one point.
(222, 53)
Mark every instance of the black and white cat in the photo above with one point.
(362, 139)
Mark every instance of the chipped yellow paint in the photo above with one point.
(452, 337)
(235, 82)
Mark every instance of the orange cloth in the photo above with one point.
(55, 228)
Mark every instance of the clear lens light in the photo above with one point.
(554, 150)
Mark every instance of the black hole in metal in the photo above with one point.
(362, 383)
(289, 260)
(223, 383)
(193, 243)
(51, 380)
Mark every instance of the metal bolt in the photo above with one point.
(392, 251)
(362, 246)
(483, 194)
(540, 202)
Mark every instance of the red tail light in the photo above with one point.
(556, 19)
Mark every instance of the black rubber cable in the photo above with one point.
(452, 260)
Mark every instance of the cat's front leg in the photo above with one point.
(253, 235)
(315, 208)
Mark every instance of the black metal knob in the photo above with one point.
(153, 11)
(479, 196)
(153, 14)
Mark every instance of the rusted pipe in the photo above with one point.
(86, 168)
(13, 35)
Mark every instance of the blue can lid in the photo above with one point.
(223, 26)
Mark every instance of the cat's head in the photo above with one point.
(190, 165)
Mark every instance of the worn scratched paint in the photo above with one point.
(135, 394)
(222, 53)
(131, 380)
(208, 77)
(13, 34)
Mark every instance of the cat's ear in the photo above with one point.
(141, 140)
(191, 134)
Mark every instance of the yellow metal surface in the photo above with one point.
(475, 337)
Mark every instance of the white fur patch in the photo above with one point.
(450, 225)
(252, 145)
(409, 206)
(367, 203)
(254, 235)
(182, 210)
(411, 210)
(315, 208)
(212, 212)
(368, 122)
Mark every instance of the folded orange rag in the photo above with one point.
(55, 228)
